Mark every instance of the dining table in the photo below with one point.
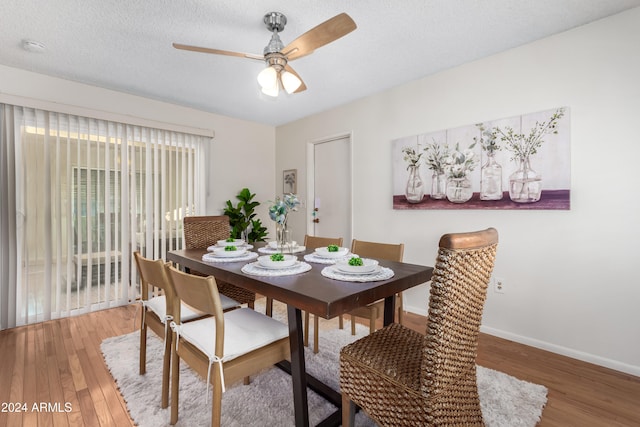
(313, 289)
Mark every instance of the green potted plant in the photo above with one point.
(242, 218)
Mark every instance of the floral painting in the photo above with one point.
(520, 162)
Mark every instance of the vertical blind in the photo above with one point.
(79, 196)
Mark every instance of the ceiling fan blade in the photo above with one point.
(325, 33)
(302, 86)
(217, 51)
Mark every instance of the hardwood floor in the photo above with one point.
(580, 393)
(59, 362)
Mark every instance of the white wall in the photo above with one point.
(571, 277)
(242, 153)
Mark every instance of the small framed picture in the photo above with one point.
(290, 181)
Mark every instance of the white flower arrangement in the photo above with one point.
(461, 162)
(411, 156)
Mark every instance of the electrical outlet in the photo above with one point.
(498, 285)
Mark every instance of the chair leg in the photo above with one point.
(400, 308)
(143, 348)
(316, 333)
(175, 383)
(340, 322)
(166, 367)
(268, 309)
(250, 304)
(216, 403)
(306, 329)
(348, 411)
(353, 324)
(373, 315)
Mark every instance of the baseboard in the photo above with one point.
(543, 345)
(564, 351)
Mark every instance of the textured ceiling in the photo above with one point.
(126, 45)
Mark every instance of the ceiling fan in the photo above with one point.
(277, 56)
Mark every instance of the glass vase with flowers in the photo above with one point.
(279, 212)
(458, 165)
(414, 190)
(491, 171)
(525, 184)
(436, 161)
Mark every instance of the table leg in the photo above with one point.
(389, 310)
(298, 370)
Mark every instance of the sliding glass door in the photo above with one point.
(87, 194)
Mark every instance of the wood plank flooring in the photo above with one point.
(59, 363)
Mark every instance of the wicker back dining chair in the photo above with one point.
(203, 231)
(159, 306)
(375, 310)
(313, 242)
(225, 347)
(400, 377)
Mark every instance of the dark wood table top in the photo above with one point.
(309, 291)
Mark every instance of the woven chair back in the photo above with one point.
(458, 290)
(204, 231)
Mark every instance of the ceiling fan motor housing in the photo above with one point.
(275, 21)
(275, 45)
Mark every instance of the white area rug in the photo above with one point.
(267, 401)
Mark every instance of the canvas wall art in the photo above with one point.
(520, 162)
(290, 181)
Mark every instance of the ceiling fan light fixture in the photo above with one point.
(271, 91)
(268, 78)
(290, 81)
(278, 73)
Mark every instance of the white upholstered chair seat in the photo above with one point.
(224, 348)
(159, 306)
(245, 330)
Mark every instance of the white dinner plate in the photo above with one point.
(375, 270)
(278, 267)
(368, 267)
(236, 243)
(266, 262)
(223, 253)
(246, 246)
(323, 252)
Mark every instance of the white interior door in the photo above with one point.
(332, 188)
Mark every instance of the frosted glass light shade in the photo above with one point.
(271, 91)
(290, 81)
(268, 78)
